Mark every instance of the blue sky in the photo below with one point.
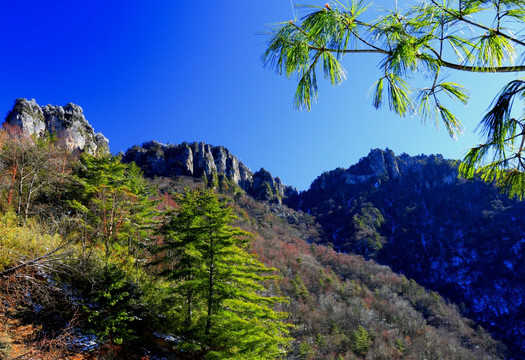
(175, 71)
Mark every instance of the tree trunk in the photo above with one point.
(13, 180)
(210, 288)
(188, 314)
(20, 192)
(30, 192)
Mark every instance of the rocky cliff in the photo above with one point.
(384, 165)
(67, 123)
(204, 160)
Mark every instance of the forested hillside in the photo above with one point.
(98, 262)
(461, 238)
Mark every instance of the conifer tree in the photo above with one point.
(116, 210)
(227, 312)
(114, 202)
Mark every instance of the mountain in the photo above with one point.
(67, 123)
(105, 277)
(411, 213)
(208, 161)
(461, 238)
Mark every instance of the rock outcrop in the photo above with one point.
(204, 160)
(67, 123)
(380, 165)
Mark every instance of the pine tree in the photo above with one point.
(430, 38)
(360, 341)
(114, 203)
(116, 210)
(227, 312)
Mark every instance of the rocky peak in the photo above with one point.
(382, 165)
(200, 159)
(385, 165)
(379, 163)
(68, 123)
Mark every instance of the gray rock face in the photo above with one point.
(200, 159)
(68, 123)
(265, 186)
(381, 164)
(378, 163)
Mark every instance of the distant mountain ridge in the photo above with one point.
(380, 165)
(204, 160)
(461, 238)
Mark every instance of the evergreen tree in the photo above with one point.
(114, 203)
(360, 341)
(227, 312)
(431, 38)
(116, 210)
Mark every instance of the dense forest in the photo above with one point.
(99, 262)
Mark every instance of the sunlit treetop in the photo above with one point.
(429, 40)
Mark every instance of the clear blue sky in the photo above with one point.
(174, 71)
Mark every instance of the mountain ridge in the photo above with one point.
(199, 159)
(384, 164)
(365, 218)
(401, 210)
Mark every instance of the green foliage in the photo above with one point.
(114, 297)
(400, 346)
(113, 202)
(500, 158)
(113, 209)
(23, 242)
(426, 40)
(366, 224)
(305, 351)
(218, 284)
(299, 289)
(360, 341)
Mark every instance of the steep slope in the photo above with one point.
(460, 238)
(342, 305)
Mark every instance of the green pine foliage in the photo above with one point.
(218, 284)
(112, 314)
(360, 341)
(213, 291)
(113, 203)
(425, 41)
(500, 158)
